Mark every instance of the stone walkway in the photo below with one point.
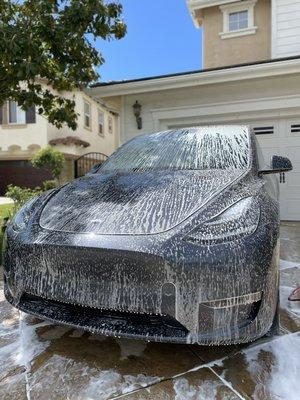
(43, 361)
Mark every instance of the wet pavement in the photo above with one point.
(43, 361)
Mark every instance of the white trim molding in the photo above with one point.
(240, 6)
(240, 73)
(242, 110)
(274, 28)
(195, 7)
(199, 4)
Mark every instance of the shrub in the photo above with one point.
(1, 244)
(49, 158)
(20, 196)
(48, 185)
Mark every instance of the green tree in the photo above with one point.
(52, 41)
(49, 158)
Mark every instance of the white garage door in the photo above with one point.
(278, 137)
(282, 137)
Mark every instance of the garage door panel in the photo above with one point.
(294, 154)
(293, 180)
(292, 128)
(279, 137)
(286, 143)
(21, 173)
(291, 211)
(269, 152)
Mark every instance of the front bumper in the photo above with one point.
(118, 289)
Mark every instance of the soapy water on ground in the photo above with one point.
(41, 360)
(282, 382)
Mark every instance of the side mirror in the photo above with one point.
(278, 164)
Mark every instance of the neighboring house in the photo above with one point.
(252, 76)
(22, 133)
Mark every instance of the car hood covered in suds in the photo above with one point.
(132, 203)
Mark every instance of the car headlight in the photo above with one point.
(22, 217)
(237, 221)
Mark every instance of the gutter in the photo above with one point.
(262, 69)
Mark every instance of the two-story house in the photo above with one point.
(251, 75)
(22, 133)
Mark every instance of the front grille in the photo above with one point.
(97, 278)
(103, 321)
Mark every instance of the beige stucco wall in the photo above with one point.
(21, 141)
(222, 52)
(105, 144)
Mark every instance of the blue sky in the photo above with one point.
(161, 39)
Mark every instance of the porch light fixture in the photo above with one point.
(137, 108)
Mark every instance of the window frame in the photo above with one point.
(238, 20)
(89, 127)
(19, 110)
(100, 112)
(110, 124)
(232, 8)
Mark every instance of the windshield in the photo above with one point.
(203, 148)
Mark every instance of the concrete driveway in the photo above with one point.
(5, 200)
(43, 361)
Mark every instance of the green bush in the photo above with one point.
(4, 212)
(1, 244)
(49, 158)
(48, 185)
(20, 196)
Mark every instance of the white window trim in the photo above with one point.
(103, 124)
(110, 119)
(89, 127)
(237, 7)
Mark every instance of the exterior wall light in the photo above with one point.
(137, 108)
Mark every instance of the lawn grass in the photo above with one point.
(4, 211)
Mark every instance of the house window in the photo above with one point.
(87, 115)
(110, 125)
(15, 113)
(100, 123)
(238, 19)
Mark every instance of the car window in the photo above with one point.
(205, 148)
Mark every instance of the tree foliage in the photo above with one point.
(49, 158)
(52, 42)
